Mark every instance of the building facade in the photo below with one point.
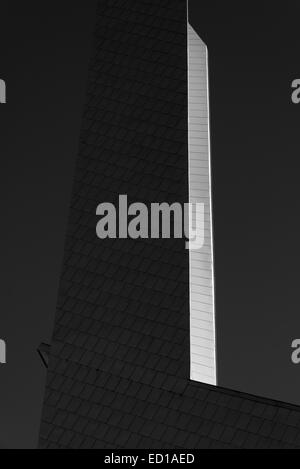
(133, 358)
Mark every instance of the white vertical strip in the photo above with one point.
(202, 299)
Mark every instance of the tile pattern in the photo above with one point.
(119, 360)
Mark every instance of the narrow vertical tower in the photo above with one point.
(202, 301)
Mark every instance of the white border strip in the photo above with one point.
(202, 285)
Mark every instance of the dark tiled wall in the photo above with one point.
(119, 365)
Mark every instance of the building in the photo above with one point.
(123, 351)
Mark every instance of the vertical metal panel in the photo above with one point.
(202, 301)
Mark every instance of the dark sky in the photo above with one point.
(44, 52)
(254, 51)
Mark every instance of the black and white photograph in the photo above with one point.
(150, 209)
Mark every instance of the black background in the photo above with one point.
(254, 56)
(44, 54)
